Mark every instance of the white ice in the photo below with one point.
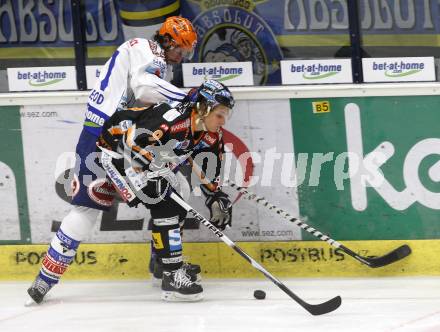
(381, 304)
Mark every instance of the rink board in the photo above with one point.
(283, 259)
(38, 148)
(370, 177)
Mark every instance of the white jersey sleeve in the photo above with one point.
(148, 73)
(134, 74)
(109, 92)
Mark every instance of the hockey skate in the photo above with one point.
(177, 286)
(193, 271)
(38, 290)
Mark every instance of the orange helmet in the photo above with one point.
(181, 32)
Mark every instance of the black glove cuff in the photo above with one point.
(212, 196)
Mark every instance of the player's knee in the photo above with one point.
(164, 222)
(79, 222)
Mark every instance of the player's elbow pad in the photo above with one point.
(147, 95)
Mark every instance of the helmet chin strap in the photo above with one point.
(200, 124)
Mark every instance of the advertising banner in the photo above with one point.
(42, 78)
(369, 168)
(267, 31)
(259, 150)
(229, 73)
(261, 31)
(92, 74)
(287, 259)
(316, 71)
(238, 31)
(420, 69)
(13, 195)
(42, 31)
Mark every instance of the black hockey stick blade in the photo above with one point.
(324, 308)
(314, 309)
(393, 256)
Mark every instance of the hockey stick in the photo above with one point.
(391, 257)
(373, 262)
(314, 309)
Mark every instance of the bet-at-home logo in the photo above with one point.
(364, 168)
(399, 69)
(236, 34)
(41, 78)
(218, 73)
(316, 71)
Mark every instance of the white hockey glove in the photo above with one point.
(220, 208)
(152, 186)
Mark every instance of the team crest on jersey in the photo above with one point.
(236, 33)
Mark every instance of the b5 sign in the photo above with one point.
(316, 71)
(229, 73)
(411, 69)
(42, 78)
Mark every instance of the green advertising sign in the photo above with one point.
(13, 198)
(369, 167)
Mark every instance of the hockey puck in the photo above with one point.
(259, 294)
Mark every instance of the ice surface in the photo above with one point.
(385, 304)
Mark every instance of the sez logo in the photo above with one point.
(42, 78)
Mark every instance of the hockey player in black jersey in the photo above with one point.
(150, 145)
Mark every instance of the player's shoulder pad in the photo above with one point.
(176, 111)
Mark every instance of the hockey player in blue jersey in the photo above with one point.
(133, 76)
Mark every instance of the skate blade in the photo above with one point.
(156, 282)
(177, 297)
(30, 302)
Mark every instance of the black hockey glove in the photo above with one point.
(220, 208)
(151, 187)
